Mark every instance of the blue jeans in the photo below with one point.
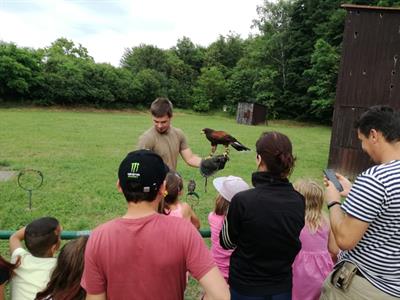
(284, 296)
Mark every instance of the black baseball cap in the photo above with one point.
(142, 171)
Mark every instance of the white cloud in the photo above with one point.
(107, 27)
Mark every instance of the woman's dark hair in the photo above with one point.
(275, 150)
(221, 206)
(65, 281)
(9, 267)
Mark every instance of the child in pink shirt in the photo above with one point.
(318, 247)
(173, 206)
(227, 187)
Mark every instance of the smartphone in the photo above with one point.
(330, 174)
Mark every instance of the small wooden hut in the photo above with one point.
(251, 113)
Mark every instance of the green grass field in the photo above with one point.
(79, 154)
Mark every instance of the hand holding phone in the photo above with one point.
(331, 176)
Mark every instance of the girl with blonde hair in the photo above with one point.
(315, 260)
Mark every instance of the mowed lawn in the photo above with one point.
(78, 153)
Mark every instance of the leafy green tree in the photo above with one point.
(143, 57)
(181, 79)
(210, 91)
(20, 71)
(323, 77)
(332, 29)
(190, 54)
(225, 52)
(64, 82)
(67, 48)
(267, 92)
(273, 22)
(308, 21)
(107, 85)
(240, 87)
(64, 74)
(149, 84)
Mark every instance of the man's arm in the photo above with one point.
(332, 245)
(190, 158)
(16, 239)
(347, 230)
(214, 285)
(96, 297)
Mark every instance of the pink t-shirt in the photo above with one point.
(220, 255)
(144, 258)
(177, 212)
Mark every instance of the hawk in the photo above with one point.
(222, 138)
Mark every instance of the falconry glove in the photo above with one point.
(210, 166)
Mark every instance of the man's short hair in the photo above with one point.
(161, 107)
(381, 118)
(40, 235)
(141, 174)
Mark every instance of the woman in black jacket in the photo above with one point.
(263, 225)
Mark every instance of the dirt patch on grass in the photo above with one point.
(7, 175)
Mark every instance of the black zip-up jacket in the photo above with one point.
(264, 225)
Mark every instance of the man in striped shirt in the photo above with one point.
(367, 225)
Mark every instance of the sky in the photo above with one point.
(107, 27)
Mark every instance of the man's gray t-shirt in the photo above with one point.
(168, 145)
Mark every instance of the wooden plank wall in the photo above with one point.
(244, 113)
(369, 75)
(259, 114)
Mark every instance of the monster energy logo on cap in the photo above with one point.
(134, 170)
(135, 167)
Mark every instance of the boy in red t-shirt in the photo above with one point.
(143, 254)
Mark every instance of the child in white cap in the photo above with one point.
(227, 187)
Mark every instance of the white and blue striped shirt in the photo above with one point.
(375, 199)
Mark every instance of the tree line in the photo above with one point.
(290, 65)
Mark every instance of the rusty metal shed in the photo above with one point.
(369, 75)
(251, 113)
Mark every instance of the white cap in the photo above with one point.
(230, 186)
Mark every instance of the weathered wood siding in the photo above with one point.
(251, 113)
(369, 75)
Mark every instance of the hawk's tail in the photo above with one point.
(239, 147)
